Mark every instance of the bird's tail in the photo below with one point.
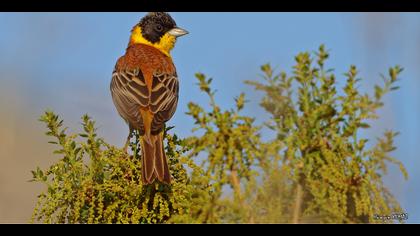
(154, 163)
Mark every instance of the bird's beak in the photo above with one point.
(177, 32)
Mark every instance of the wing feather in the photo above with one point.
(163, 99)
(130, 93)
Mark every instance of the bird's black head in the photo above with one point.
(157, 29)
(154, 25)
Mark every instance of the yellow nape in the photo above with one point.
(165, 45)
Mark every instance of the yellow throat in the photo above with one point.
(165, 45)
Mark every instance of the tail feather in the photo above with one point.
(154, 164)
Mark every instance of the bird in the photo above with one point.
(145, 88)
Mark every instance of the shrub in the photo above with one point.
(318, 168)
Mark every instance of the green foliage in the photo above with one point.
(231, 143)
(324, 156)
(95, 182)
(318, 168)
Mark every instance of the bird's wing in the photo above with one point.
(163, 99)
(130, 93)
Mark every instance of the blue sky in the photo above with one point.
(64, 61)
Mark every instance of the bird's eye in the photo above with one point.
(159, 28)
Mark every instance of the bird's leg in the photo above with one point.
(127, 142)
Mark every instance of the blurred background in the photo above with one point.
(64, 61)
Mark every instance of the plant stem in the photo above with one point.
(298, 204)
(237, 189)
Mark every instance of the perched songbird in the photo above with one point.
(144, 89)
